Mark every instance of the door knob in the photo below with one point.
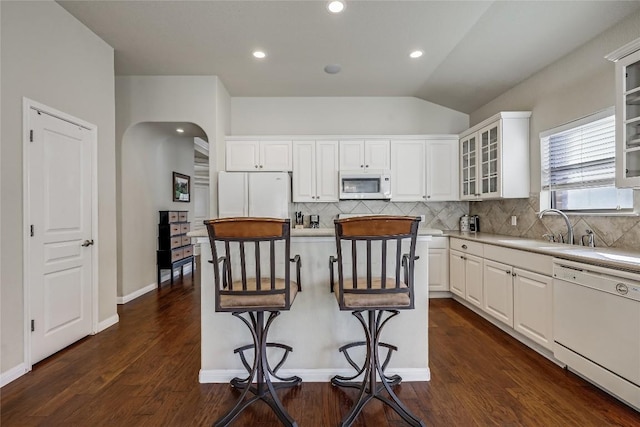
(87, 243)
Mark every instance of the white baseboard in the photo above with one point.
(133, 295)
(12, 374)
(108, 322)
(440, 294)
(310, 375)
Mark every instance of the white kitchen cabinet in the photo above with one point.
(258, 155)
(408, 177)
(442, 170)
(533, 306)
(359, 154)
(628, 120)
(494, 158)
(438, 264)
(424, 170)
(315, 171)
(465, 276)
(457, 277)
(521, 299)
(474, 280)
(465, 270)
(498, 291)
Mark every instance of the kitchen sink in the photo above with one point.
(538, 244)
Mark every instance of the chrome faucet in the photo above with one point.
(591, 239)
(566, 220)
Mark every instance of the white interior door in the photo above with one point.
(60, 249)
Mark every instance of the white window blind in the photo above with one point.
(580, 157)
(578, 166)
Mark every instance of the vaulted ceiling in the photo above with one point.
(473, 50)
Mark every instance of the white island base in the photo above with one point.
(314, 327)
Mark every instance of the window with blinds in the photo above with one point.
(578, 165)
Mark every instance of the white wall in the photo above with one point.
(149, 158)
(342, 115)
(223, 128)
(146, 99)
(577, 85)
(50, 57)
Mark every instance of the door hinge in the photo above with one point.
(31, 230)
(31, 135)
(33, 325)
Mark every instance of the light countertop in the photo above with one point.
(605, 257)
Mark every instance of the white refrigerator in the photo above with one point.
(264, 194)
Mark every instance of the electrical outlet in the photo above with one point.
(514, 220)
(423, 218)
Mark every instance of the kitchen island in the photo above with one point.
(314, 327)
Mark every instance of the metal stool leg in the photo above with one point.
(369, 388)
(261, 371)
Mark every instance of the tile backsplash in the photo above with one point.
(622, 232)
(440, 215)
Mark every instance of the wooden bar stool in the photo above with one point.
(242, 289)
(379, 294)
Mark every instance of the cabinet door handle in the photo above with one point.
(361, 166)
(464, 246)
(256, 166)
(461, 257)
(428, 197)
(508, 272)
(260, 166)
(366, 166)
(514, 274)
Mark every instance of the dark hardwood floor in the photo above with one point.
(144, 372)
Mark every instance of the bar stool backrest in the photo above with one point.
(249, 265)
(376, 256)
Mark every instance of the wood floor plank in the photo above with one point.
(143, 371)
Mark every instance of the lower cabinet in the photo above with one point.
(438, 264)
(533, 306)
(457, 279)
(473, 279)
(465, 276)
(498, 284)
(498, 291)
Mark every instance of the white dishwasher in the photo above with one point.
(596, 326)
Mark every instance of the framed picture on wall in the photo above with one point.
(181, 187)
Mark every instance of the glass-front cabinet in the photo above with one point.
(494, 158)
(628, 121)
(469, 178)
(490, 161)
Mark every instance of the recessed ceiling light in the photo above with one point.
(336, 6)
(332, 68)
(259, 54)
(180, 130)
(416, 54)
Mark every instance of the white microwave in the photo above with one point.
(372, 184)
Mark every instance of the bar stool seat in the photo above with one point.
(249, 301)
(355, 300)
(374, 297)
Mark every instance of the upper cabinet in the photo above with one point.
(424, 170)
(494, 158)
(628, 120)
(258, 155)
(360, 154)
(315, 171)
